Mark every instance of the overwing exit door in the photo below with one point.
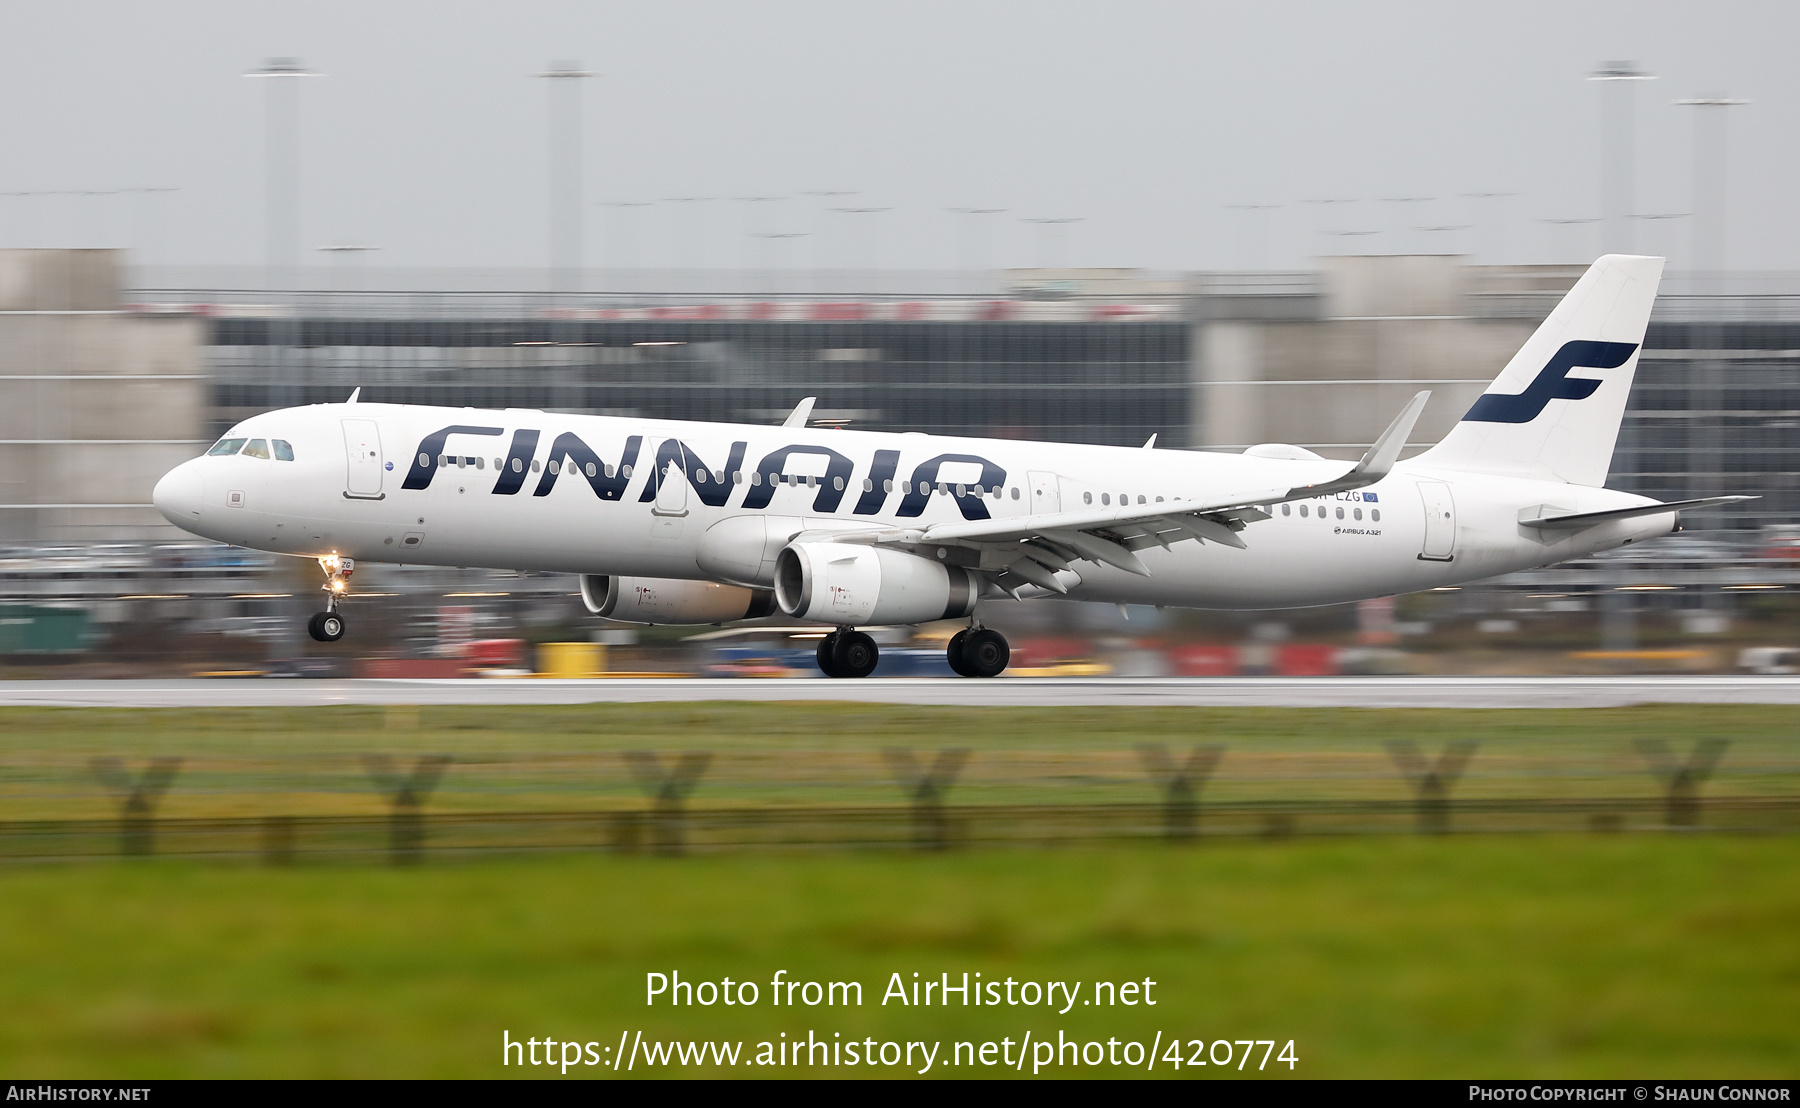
(1045, 496)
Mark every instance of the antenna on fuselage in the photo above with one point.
(797, 417)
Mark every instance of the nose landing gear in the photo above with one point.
(847, 653)
(328, 625)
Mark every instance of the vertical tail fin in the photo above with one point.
(1554, 411)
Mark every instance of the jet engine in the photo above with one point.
(849, 584)
(665, 601)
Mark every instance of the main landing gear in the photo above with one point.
(847, 653)
(975, 651)
(328, 625)
(978, 652)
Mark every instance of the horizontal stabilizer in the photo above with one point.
(1552, 519)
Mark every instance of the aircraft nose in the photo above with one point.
(179, 494)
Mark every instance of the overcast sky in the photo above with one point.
(427, 136)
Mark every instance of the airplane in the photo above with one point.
(691, 523)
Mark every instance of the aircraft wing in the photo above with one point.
(1033, 548)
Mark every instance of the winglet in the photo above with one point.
(354, 393)
(1150, 443)
(1379, 461)
(802, 411)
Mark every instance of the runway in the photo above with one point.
(1290, 692)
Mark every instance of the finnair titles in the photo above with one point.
(670, 522)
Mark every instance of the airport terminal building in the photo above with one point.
(114, 376)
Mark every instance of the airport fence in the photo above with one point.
(674, 817)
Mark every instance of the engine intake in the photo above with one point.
(659, 600)
(849, 584)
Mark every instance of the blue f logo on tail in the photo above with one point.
(1553, 383)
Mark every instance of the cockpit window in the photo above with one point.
(224, 447)
(258, 448)
(283, 451)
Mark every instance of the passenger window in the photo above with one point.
(1015, 492)
(1140, 498)
(1375, 514)
(225, 447)
(627, 472)
(257, 448)
(608, 470)
(535, 464)
(284, 451)
(480, 464)
(737, 476)
(1087, 498)
(1302, 511)
(1356, 512)
(592, 470)
(424, 459)
(1340, 512)
(868, 485)
(1106, 498)
(1285, 509)
(518, 465)
(887, 485)
(1159, 500)
(837, 483)
(555, 467)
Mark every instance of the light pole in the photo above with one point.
(565, 173)
(1324, 225)
(1255, 231)
(975, 258)
(697, 230)
(1709, 180)
(1708, 399)
(281, 148)
(623, 242)
(770, 239)
(1495, 221)
(343, 253)
(1053, 239)
(1658, 243)
(874, 240)
(1619, 161)
(752, 226)
(1404, 243)
(821, 216)
(1581, 253)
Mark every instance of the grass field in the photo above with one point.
(1543, 956)
(1652, 954)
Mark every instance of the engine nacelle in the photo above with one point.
(660, 600)
(849, 584)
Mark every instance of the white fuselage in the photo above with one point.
(484, 495)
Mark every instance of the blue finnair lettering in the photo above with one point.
(608, 482)
(425, 460)
(568, 454)
(1553, 382)
(918, 490)
(713, 487)
(774, 465)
